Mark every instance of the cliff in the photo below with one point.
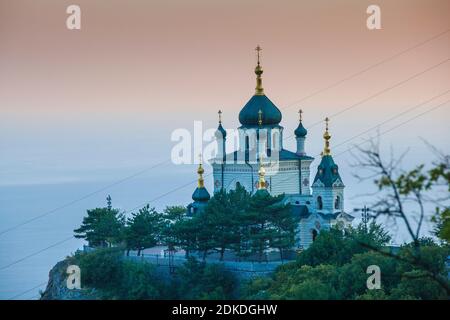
(57, 289)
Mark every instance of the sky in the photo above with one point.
(100, 103)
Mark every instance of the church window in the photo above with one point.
(319, 203)
(337, 203)
(247, 143)
(275, 141)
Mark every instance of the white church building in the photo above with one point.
(318, 204)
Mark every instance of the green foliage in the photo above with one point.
(416, 284)
(102, 227)
(353, 275)
(442, 219)
(335, 267)
(140, 281)
(100, 269)
(116, 277)
(143, 229)
(197, 280)
(337, 246)
(236, 221)
(270, 223)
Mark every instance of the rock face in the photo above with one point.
(57, 288)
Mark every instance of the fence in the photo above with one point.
(242, 268)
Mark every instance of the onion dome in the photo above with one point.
(259, 102)
(249, 114)
(300, 132)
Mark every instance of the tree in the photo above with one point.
(143, 229)
(184, 233)
(270, 223)
(197, 280)
(284, 226)
(102, 227)
(171, 216)
(338, 275)
(220, 222)
(403, 196)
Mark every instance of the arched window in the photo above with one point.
(314, 234)
(337, 203)
(275, 138)
(319, 203)
(247, 143)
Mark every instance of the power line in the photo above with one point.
(190, 182)
(387, 131)
(166, 194)
(36, 253)
(401, 124)
(378, 93)
(62, 241)
(368, 68)
(166, 161)
(26, 291)
(392, 118)
(81, 198)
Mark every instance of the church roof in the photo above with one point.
(302, 212)
(300, 131)
(327, 171)
(201, 194)
(270, 114)
(283, 155)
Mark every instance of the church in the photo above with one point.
(261, 162)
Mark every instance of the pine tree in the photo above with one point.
(102, 227)
(143, 229)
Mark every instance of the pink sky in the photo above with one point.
(139, 69)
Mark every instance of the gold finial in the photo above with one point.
(260, 117)
(300, 112)
(261, 174)
(327, 137)
(259, 91)
(220, 116)
(200, 172)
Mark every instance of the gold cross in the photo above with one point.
(300, 114)
(220, 116)
(326, 122)
(258, 49)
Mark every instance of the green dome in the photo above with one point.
(271, 115)
(300, 131)
(201, 194)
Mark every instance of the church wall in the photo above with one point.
(285, 179)
(305, 177)
(328, 198)
(313, 222)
